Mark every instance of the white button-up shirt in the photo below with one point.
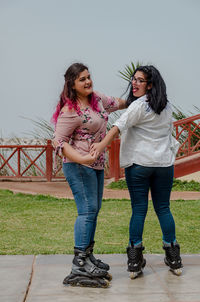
(146, 137)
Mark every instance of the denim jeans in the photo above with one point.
(87, 188)
(159, 181)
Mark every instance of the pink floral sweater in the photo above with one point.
(81, 129)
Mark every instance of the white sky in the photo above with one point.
(39, 39)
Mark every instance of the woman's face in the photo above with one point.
(139, 84)
(83, 84)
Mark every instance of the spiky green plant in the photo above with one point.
(42, 128)
(128, 71)
(178, 114)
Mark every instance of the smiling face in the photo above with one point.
(83, 84)
(139, 84)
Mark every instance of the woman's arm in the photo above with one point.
(75, 156)
(111, 104)
(99, 147)
(122, 103)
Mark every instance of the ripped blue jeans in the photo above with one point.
(87, 188)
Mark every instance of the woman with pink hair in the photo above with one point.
(80, 120)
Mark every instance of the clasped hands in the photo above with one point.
(74, 155)
(93, 154)
(95, 150)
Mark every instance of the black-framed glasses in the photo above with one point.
(138, 80)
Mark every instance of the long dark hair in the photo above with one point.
(156, 96)
(69, 95)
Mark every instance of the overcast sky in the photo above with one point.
(39, 39)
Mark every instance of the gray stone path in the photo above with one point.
(39, 279)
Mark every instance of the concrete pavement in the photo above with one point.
(39, 279)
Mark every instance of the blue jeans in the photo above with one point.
(159, 180)
(87, 188)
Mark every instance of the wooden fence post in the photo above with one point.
(18, 162)
(49, 160)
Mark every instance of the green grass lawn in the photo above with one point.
(178, 185)
(44, 225)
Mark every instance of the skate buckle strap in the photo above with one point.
(93, 268)
(81, 254)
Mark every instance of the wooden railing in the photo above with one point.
(187, 132)
(21, 164)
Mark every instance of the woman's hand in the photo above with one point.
(122, 103)
(99, 147)
(96, 147)
(89, 158)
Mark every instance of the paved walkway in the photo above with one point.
(39, 279)
(61, 189)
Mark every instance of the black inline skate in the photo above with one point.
(172, 258)
(97, 262)
(136, 262)
(85, 273)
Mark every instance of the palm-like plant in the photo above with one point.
(42, 128)
(178, 114)
(128, 71)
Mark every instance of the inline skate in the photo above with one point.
(172, 258)
(85, 273)
(97, 262)
(136, 261)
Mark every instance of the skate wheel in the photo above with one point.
(96, 282)
(103, 282)
(108, 277)
(84, 281)
(134, 275)
(67, 278)
(177, 271)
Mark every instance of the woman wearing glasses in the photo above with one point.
(147, 153)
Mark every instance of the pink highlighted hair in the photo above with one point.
(69, 97)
